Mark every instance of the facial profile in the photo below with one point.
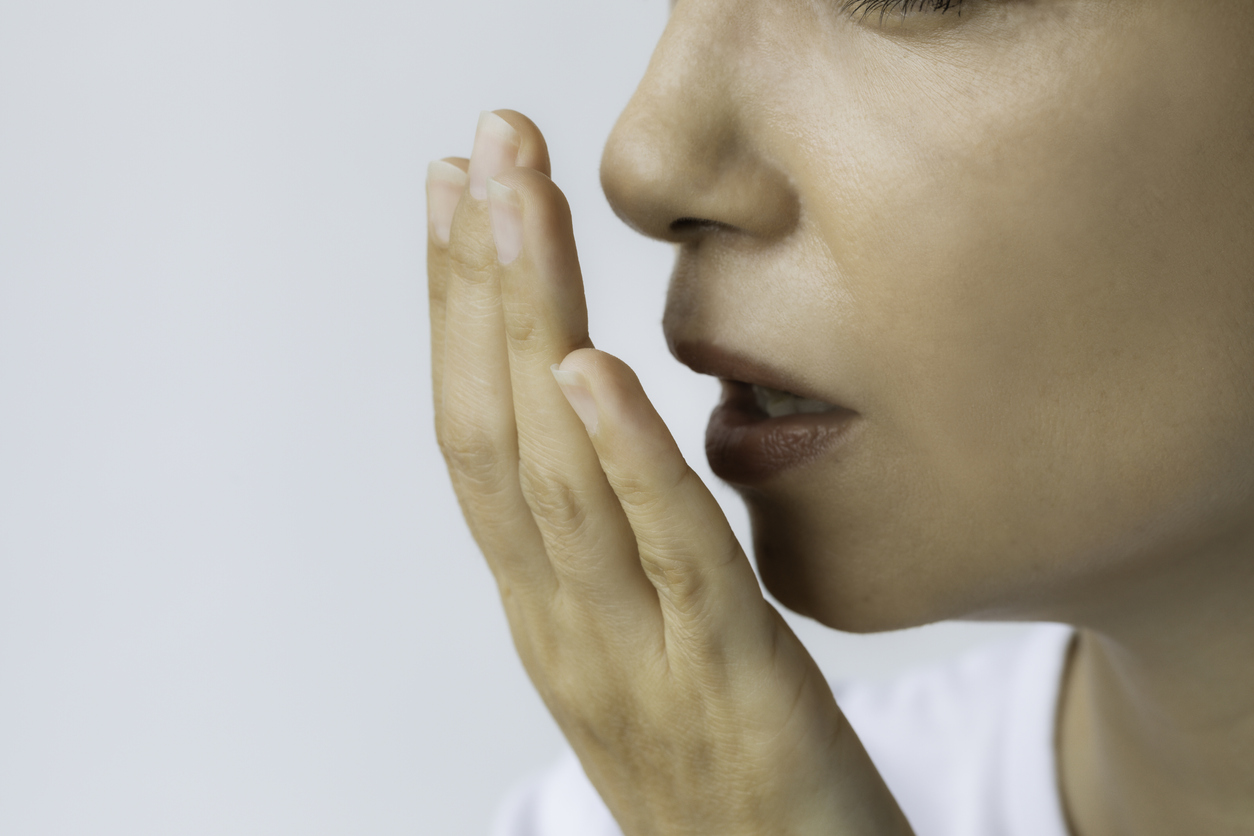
(1012, 240)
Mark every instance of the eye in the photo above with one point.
(899, 8)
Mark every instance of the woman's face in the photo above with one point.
(1017, 241)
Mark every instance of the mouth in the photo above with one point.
(763, 426)
(776, 402)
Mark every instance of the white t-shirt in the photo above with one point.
(967, 748)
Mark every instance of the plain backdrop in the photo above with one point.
(236, 593)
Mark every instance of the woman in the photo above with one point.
(978, 276)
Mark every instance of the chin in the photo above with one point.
(840, 585)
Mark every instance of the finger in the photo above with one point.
(476, 416)
(709, 595)
(444, 189)
(588, 538)
(533, 151)
(446, 180)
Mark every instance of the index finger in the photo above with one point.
(705, 584)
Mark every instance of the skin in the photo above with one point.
(1019, 243)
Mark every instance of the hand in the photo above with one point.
(692, 706)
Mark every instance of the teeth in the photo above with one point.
(775, 402)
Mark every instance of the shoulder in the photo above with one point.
(966, 747)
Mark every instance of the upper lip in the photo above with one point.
(726, 364)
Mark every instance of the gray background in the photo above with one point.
(236, 595)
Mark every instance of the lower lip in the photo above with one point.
(745, 446)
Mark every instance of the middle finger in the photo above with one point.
(589, 539)
(475, 423)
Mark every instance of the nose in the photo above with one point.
(684, 155)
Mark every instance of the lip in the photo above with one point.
(743, 444)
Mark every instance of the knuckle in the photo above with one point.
(652, 497)
(524, 326)
(679, 578)
(633, 492)
(686, 581)
(471, 455)
(472, 259)
(553, 501)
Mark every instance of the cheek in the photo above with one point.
(1054, 334)
(1001, 519)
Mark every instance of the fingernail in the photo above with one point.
(496, 149)
(445, 184)
(575, 388)
(506, 218)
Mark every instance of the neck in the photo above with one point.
(1157, 715)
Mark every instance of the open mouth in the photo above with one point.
(757, 432)
(777, 403)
